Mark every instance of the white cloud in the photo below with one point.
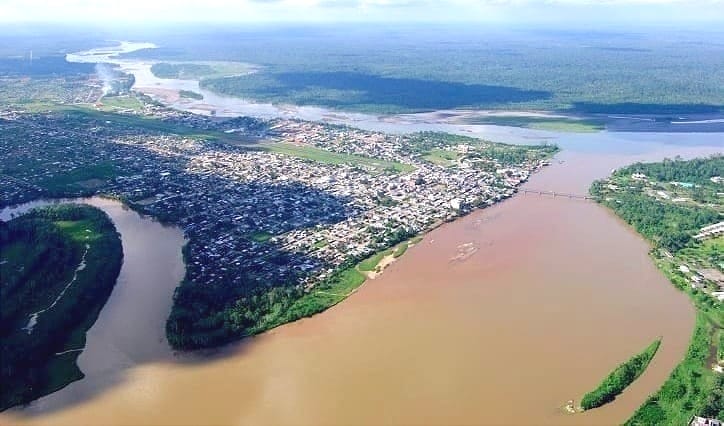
(350, 10)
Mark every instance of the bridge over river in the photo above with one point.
(555, 194)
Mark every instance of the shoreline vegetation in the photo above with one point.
(668, 203)
(289, 304)
(341, 284)
(53, 259)
(620, 378)
(241, 302)
(191, 95)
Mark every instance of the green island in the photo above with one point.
(620, 378)
(200, 70)
(190, 95)
(553, 123)
(58, 267)
(672, 204)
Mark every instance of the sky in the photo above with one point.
(579, 12)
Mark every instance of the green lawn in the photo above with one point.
(400, 250)
(711, 251)
(371, 262)
(126, 102)
(260, 236)
(82, 231)
(417, 239)
(320, 244)
(328, 157)
(441, 157)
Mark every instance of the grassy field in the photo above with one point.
(321, 244)
(260, 236)
(328, 157)
(115, 103)
(370, 264)
(400, 249)
(553, 124)
(712, 251)
(417, 239)
(441, 157)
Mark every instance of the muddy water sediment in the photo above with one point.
(556, 294)
(549, 296)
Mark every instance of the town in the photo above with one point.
(279, 217)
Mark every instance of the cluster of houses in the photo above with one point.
(252, 216)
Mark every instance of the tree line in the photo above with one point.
(40, 258)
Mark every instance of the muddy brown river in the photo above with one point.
(555, 294)
(550, 295)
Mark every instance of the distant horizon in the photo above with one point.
(142, 29)
(544, 13)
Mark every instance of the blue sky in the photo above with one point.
(486, 11)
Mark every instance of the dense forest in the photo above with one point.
(698, 170)
(403, 69)
(43, 67)
(47, 304)
(670, 225)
